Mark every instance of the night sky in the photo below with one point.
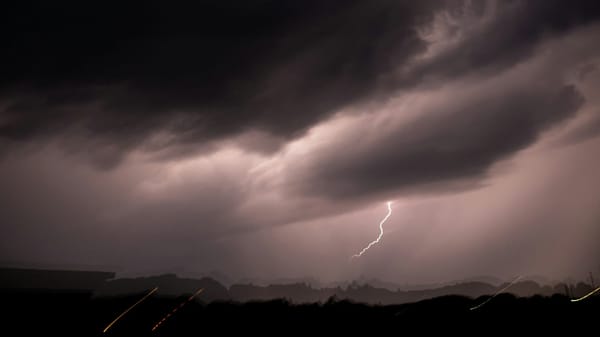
(262, 139)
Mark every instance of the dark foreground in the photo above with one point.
(79, 314)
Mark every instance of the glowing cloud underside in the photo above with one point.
(389, 206)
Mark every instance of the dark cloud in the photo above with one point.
(441, 150)
(499, 35)
(588, 126)
(584, 132)
(115, 74)
(452, 147)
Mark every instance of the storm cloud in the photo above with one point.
(172, 78)
(118, 75)
(261, 138)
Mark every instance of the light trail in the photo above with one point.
(389, 206)
(175, 309)
(496, 294)
(586, 296)
(129, 309)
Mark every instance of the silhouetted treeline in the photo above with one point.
(64, 313)
(60, 303)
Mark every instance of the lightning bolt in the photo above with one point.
(496, 294)
(129, 309)
(389, 206)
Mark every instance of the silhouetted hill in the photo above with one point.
(168, 284)
(103, 284)
(303, 293)
(299, 292)
(64, 306)
(580, 289)
(63, 313)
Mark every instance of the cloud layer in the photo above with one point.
(262, 138)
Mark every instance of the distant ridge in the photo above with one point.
(103, 284)
(168, 284)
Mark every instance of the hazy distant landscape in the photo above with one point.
(84, 303)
